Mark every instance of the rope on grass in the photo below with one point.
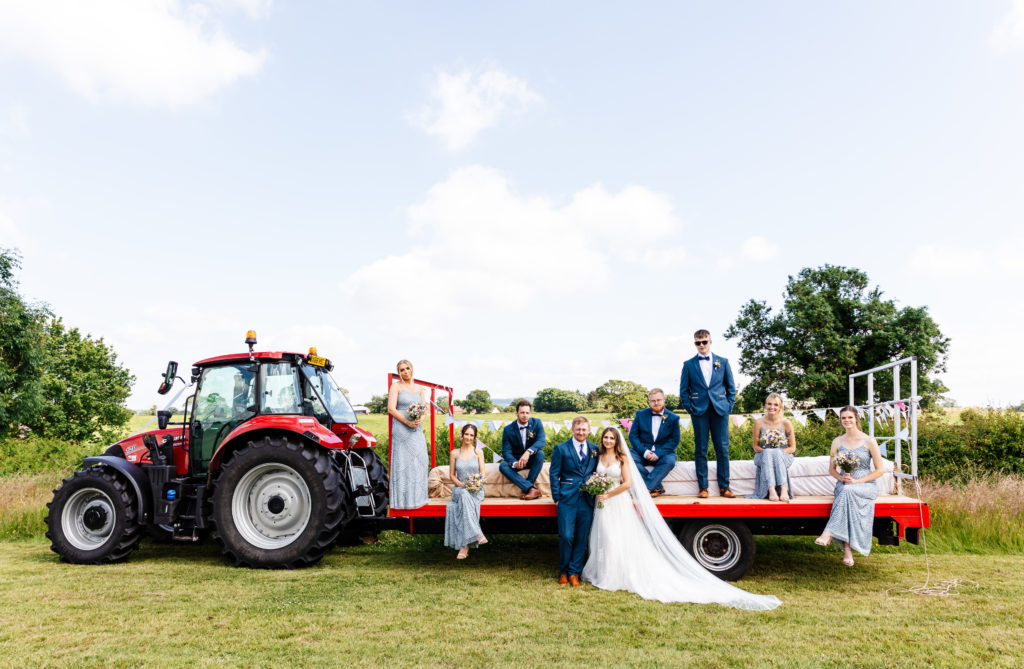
(948, 588)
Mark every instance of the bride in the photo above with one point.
(632, 547)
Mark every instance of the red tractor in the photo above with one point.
(268, 457)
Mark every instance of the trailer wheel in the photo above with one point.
(93, 518)
(278, 503)
(723, 547)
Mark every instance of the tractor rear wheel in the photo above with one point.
(93, 518)
(278, 503)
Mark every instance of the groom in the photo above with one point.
(572, 463)
(707, 392)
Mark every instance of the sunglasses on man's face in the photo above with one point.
(701, 342)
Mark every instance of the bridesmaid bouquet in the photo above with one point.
(417, 410)
(772, 439)
(474, 483)
(598, 484)
(846, 462)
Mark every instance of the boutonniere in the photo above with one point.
(717, 364)
(530, 435)
(593, 453)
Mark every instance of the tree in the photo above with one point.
(83, 387)
(831, 325)
(477, 401)
(378, 404)
(621, 398)
(672, 403)
(21, 352)
(554, 400)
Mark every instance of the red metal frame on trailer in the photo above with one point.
(434, 387)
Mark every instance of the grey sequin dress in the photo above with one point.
(462, 517)
(409, 462)
(853, 507)
(772, 468)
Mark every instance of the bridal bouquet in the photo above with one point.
(598, 484)
(772, 439)
(473, 483)
(846, 462)
(417, 410)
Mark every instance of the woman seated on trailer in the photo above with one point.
(774, 446)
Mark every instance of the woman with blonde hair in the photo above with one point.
(774, 446)
(409, 466)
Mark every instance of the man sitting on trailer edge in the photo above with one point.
(522, 448)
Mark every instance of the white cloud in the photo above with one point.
(14, 124)
(758, 249)
(1009, 33)
(149, 52)
(480, 244)
(465, 103)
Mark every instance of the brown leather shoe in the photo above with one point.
(703, 494)
(563, 579)
(727, 493)
(532, 493)
(574, 581)
(656, 493)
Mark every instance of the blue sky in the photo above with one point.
(513, 196)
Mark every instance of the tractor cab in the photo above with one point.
(233, 390)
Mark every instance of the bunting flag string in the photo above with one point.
(883, 413)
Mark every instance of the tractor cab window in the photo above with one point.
(335, 406)
(279, 388)
(226, 399)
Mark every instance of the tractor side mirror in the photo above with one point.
(163, 417)
(169, 376)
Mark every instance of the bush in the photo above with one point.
(554, 400)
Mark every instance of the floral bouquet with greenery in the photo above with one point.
(418, 410)
(772, 439)
(846, 462)
(474, 483)
(598, 484)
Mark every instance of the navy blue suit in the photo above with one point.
(575, 508)
(641, 440)
(709, 406)
(512, 449)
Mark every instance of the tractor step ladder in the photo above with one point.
(359, 481)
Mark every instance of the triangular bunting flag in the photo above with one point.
(739, 420)
(449, 420)
(820, 413)
(606, 423)
(684, 423)
(568, 424)
(802, 417)
(834, 410)
(757, 416)
(594, 429)
(495, 425)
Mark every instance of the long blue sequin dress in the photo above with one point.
(853, 507)
(462, 517)
(772, 467)
(409, 462)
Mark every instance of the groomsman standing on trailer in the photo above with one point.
(707, 391)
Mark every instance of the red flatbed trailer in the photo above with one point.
(717, 531)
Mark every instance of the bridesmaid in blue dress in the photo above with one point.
(853, 507)
(409, 463)
(462, 517)
(774, 446)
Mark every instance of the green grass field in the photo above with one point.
(406, 602)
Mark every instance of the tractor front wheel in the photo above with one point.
(93, 518)
(278, 503)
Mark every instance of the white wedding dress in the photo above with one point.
(632, 548)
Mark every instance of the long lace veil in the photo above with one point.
(666, 543)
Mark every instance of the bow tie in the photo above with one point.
(659, 415)
(703, 357)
